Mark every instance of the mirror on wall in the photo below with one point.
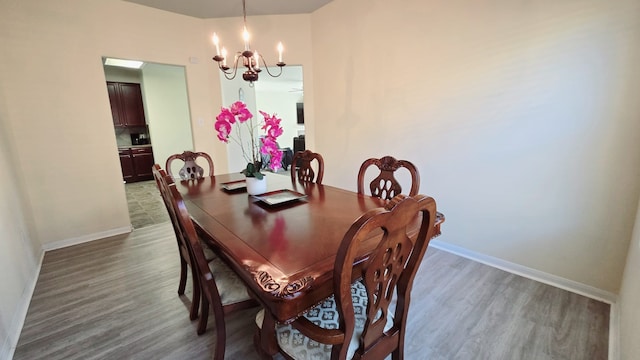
(283, 95)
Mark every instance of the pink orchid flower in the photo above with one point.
(224, 129)
(237, 106)
(238, 112)
(226, 115)
(270, 147)
(271, 125)
(276, 160)
(244, 115)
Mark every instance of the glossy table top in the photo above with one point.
(285, 253)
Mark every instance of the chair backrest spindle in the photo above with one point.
(302, 169)
(190, 170)
(385, 185)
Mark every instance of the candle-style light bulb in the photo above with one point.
(216, 42)
(245, 36)
(280, 49)
(224, 57)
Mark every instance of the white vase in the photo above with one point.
(255, 186)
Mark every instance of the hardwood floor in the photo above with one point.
(117, 299)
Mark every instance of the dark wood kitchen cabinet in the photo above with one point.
(127, 108)
(126, 163)
(136, 163)
(142, 163)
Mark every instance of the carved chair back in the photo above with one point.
(365, 319)
(389, 270)
(302, 169)
(190, 170)
(385, 185)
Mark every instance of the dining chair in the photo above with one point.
(385, 185)
(185, 260)
(190, 170)
(222, 290)
(186, 263)
(366, 318)
(302, 169)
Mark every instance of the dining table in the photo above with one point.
(281, 244)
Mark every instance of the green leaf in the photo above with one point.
(252, 171)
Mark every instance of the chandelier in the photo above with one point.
(250, 58)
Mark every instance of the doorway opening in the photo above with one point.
(151, 118)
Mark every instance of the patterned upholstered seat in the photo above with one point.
(366, 319)
(231, 288)
(325, 315)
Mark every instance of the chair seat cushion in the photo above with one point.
(231, 289)
(208, 253)
(324, 315)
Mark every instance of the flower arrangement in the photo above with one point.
(252, 148)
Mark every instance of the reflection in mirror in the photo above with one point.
(279, 95)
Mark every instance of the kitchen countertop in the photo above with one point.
(134, 146)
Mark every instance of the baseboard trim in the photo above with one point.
(537, 275)
(20, 315)
(614, 332)
(86, 238)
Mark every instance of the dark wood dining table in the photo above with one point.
(284, 253)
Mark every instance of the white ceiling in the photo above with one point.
(227, 8)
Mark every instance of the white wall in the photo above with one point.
(167, 111)
(19, 255)
(522, 118)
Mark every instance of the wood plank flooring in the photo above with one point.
(117, 299)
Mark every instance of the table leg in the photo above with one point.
(265, 339)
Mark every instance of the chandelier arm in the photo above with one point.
(269, 72)
(230, 75)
